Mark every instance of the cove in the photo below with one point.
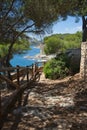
(19, 59)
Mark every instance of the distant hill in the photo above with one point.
(34, 41)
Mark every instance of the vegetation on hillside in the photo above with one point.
(61, 42)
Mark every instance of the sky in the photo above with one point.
(68, 26)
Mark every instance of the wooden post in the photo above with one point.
(27, 73)
(18, 76)
(35, 71)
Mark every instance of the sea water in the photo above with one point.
(21, 60)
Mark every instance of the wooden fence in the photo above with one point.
(18, 78)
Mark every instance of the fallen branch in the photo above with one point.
(12, 100)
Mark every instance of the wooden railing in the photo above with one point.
(15, 76)
(18, 77)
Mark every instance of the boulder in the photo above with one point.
(73, 59)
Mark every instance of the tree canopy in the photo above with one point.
(20, 16)
(35, 15)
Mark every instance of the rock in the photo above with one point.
(74, 56)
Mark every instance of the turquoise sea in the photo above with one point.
(19, 59)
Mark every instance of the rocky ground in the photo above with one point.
(52, 105)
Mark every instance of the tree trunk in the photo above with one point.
(9, 54)
(84, 29)
(83, 63)
(7, 62)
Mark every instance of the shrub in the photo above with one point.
(72, 60)
(55, 69)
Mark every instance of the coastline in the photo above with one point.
(40, 57)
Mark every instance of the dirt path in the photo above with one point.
(52, 105)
